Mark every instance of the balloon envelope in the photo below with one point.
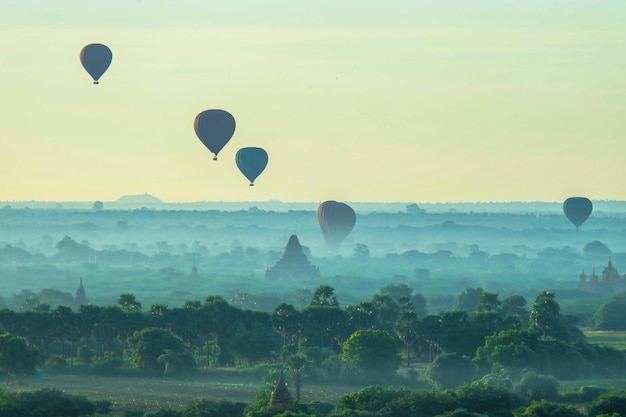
(214, 129)
(577, 209)
(336, 221)
(96, 59)
(251, 162)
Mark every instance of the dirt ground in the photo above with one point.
(151, 394)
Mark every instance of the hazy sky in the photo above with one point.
(410, 101)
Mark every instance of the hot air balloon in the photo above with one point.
(251, 162)
(336, 221)
(577, 209)
(96, 59)
(214, 128)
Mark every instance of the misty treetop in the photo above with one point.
(168, 256)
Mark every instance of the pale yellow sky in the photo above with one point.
(421, 102)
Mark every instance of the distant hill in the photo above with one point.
(137, 201)
(144, 198)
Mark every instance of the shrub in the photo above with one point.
(538, 387)
(55, 363)
(609, 404)
(494, 400)
(450, 370)
(107, 366)
(545, 408)
(591, 393)
(371, 398)
(47, 402)
(85, 354)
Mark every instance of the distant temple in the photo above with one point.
(280, 395)
(81, 296)
(610, 279)
(293, 263)
(194, 272)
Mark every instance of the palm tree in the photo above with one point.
(297, 365)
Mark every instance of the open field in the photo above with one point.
(615, 339)
(151, 394)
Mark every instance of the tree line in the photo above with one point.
(371, 339)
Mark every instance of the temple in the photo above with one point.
(610, 279)
(280, 395)
(81, 296)
(194, 272)
(293, 263)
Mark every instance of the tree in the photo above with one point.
(456, 332)
(610, 316)
(369, 399)
(362, 316)
(128, 302)
(70, 250)
(488, 302)
(514, 305)
(407, 330)
(539, 387)
(372, 352)
(395, 291)
(50, 403)
(63, 323)
(430, 333)
(85, 354)
(450, 370)
(469, 299)
(324, 295)
(508, 350)
(545, 408)
(297, 365)
(361, 252)
(387, 311)
(158, 314)
(210, 408)
(418, 302)
(303, 296)
(608, 404)
(16, 357)
(544, 314)
(149, 344)
(176, 362)
(254, 341)
(285, 320)
(324, 326)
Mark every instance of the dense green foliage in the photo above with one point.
(372, 352)
(367, 340)
(450, 370)
(48, 403)
(610, 316)
(473, 400)
(16, 357)
(155, 349)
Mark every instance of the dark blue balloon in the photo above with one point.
(577, 209)
(336, 221)
(251, 162)
(214, 129)
(96, 59)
